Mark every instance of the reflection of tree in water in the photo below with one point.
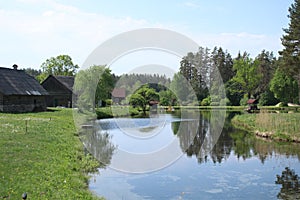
(185, 130)
(198, 140)
(98, 144)
(290, 185)
(243, 144)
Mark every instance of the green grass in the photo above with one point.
(281, 126)
(117, 111)
(44, 158)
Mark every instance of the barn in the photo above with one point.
(60, 89)
(20, 92)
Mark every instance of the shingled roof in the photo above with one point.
(67, 81)
(119, 92)
(17, 82)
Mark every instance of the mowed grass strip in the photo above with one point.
(41, 154)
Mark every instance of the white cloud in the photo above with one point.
(38, 29)
(191, 4)
(56, 29)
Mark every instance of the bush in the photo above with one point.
(268, 99)
(133, 111)
(225, 102)
(215, 103)
(206, 102)
(103, 113)
(108, 102)
(243, 101)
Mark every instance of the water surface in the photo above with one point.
(239, 166)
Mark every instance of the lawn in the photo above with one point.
(42, 155)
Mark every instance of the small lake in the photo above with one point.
(169, 156)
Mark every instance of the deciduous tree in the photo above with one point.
(59, 65)
(247, 75)
(142, 97)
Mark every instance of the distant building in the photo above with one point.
(252, 106)
(60, 89)
(20, 92)
(118, 94)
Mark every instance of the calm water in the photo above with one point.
(234, 165)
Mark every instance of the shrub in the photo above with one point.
(206, 101)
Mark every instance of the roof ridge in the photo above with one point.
(18, 82)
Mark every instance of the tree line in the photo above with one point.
(264, 77)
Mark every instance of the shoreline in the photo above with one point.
(248, 122)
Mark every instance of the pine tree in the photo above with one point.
(291, 42)
(222, 62)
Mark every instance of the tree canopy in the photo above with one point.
(59, 65)
(142, 97)
(92, 85)
(247, 74)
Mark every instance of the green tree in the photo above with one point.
(247, 75)
(234, 92)
(266, 68)
(91, 85)
(222, 62)
(105, 84)
(142, 97)
(291, 42)
(268, 98)
(194, 67)
(167, 98)
(290, 184)
(180, 87)
(284, 87)
(59, 65)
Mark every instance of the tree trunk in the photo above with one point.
(144, 110)
(298, 81)
(249, 95)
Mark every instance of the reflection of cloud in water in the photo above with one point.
(225, 182)
(233, 170)
(119, 182)
(213, 191)
(248, 179)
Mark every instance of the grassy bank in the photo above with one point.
(126, 111)
(117, 111)
(42, 155)
(277, 126)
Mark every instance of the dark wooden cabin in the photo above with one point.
(20, 92)
(60, 89)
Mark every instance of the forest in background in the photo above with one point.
(263, 77)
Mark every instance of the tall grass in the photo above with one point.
(286, 125)
(279, 126)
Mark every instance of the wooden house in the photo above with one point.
(20, 92)
(60, 89)
(118, 94)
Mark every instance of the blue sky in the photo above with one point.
(34, 30)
